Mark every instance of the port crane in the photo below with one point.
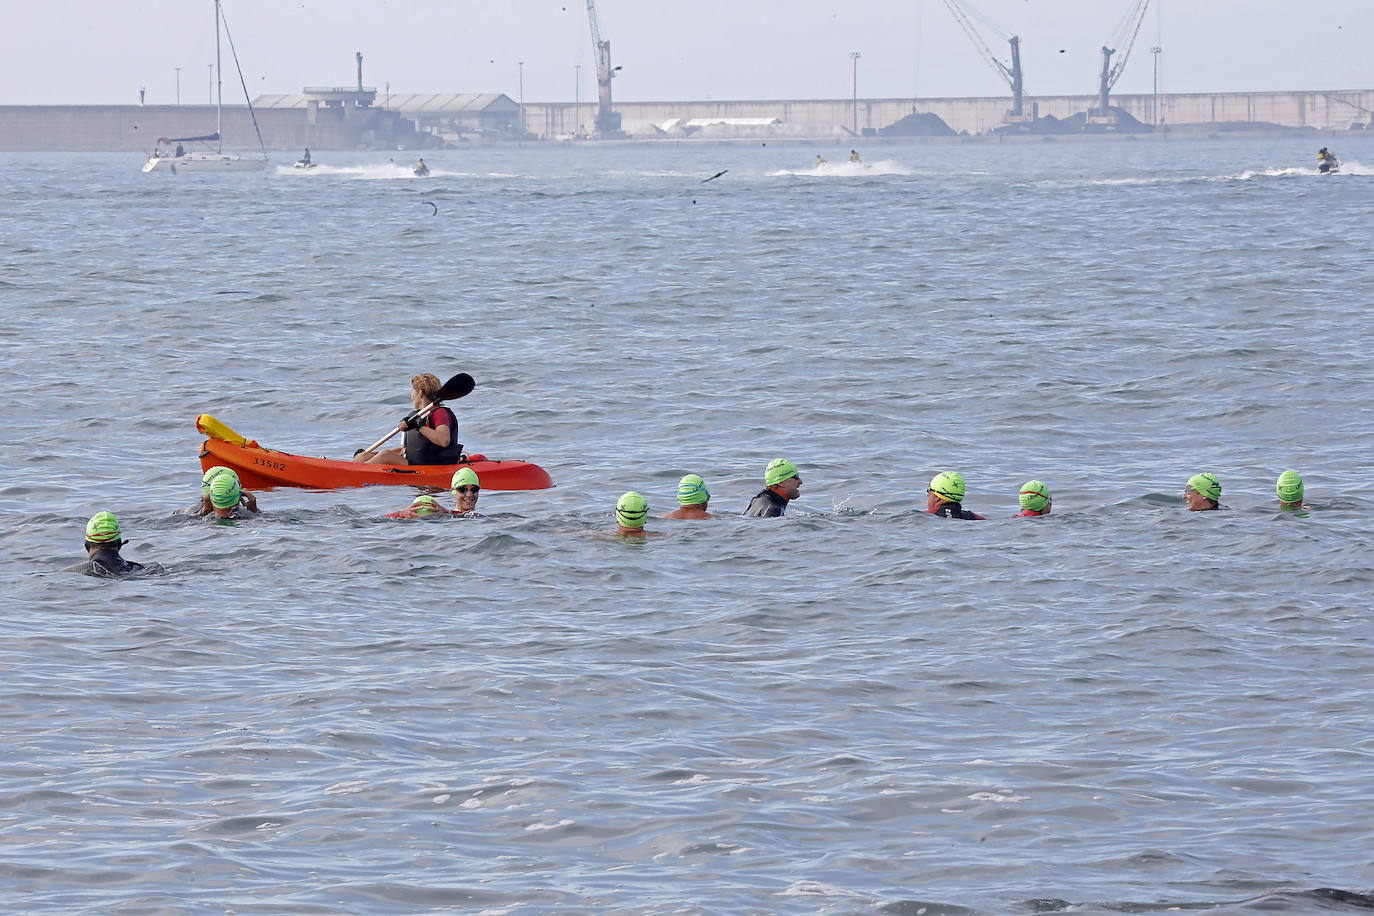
(1127, 32)
(1012, 74)
(607, 121)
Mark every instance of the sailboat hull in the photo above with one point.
(203, 162)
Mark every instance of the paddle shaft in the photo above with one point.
(418, 415)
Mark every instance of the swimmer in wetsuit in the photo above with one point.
(224, 495)
(1035, 499)
(782, 485)
(103, 541)
(945, 496)
(692, 497)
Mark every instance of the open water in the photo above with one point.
(857, 708)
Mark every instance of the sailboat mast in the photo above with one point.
(219, 88)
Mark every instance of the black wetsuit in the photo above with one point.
(420, 450)
(954, 510)
(108, 564)
(766, 504)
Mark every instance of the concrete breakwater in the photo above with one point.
(133, 127)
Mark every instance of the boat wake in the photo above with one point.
(845, 170)
(384, 171)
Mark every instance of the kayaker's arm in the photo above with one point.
(439, 435)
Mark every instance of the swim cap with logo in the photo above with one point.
(224, 491)
(778, 470)
(424, 504)
(103, 528)
(691, 491)
(1289, 487)
(949, 486)
(1035, 496)
(464, 477)
(1207, 484)
(211, 474)
(631, 510)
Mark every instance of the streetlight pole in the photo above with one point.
(1154, 105)
(855, 56)
(178, 70)
(522, 99)
(577, 98)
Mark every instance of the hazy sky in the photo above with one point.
(103, 51)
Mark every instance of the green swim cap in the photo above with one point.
(210, 476)
(1207, 485)
(224, 491)
(1289, 487)
(102, 528)
(949, 486)
(1035, 496)
(631, 510)
(424, 504)
(691, 491)
(778, 470)
(464, 477)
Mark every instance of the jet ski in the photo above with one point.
(421, 170)
(302, 164)
(1327, 163)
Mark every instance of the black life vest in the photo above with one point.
(420, 450)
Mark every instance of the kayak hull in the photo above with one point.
(264, 468)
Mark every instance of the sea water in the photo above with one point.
(1121, 707)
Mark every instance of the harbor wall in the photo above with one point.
(136, 127)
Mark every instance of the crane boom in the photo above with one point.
(1111, 73)
(607, 121)
(1011, 75)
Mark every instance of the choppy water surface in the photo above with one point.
(856, 708)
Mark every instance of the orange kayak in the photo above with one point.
(260, 468)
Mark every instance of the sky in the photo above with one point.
(104, 51)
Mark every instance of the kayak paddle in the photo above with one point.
(459, 386)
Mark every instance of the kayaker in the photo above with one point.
(631, 512)
(103, 540)
(1203, 493)
(1035, 499)
(782, 485)
(226, 496)
(692, 498)
(945, 496)
(1289, 490)
(466, 489)
(432, 440)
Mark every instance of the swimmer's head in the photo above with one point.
(778, 470)
(1035, 496)
(423, 505)
(631, 510)
(224, 491)
(1206, 485)
(1289, 487)
(103, 528)
(949, 486)
(691, 491)
(210, 476)
(464, 477)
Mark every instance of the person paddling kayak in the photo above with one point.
(431, 440)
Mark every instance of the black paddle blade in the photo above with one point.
(459, 386)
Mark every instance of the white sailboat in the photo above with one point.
(206, 160)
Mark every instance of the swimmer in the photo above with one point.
(782, 485)
(226, 496)
(103, 541)
(206, 507)
(945, 496)
(631, 512)
(465, 492)
(692, 498)
(422, 506)
(1035, 499)
(1203, 493)
(1289, 490)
